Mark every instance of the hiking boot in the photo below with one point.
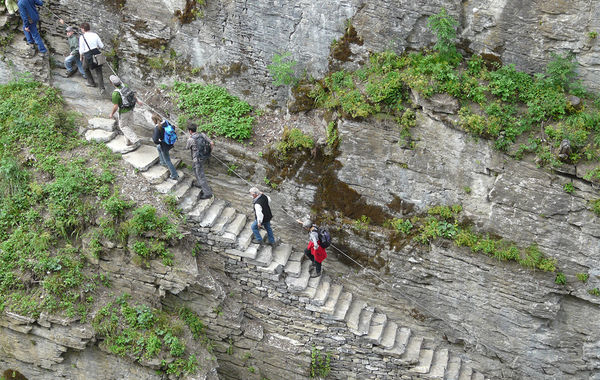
(69, 74)
(44, 54)
(91, 84)
(315, 274)
(256, 241)
(202, 196)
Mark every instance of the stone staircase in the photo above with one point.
(218, 222)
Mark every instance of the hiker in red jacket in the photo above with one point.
(314, 251)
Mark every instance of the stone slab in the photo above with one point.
(102, 123)
(439, 363)
(99, 135)
(119, 145)
(142, 158)
(168, 185)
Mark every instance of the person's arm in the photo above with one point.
(314, 237)
(189, 142)
(100, 44)
(81, 43)
(114, 110)
(259, 214)
(156, 135)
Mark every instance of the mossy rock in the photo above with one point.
(301, 100)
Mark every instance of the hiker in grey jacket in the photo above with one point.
(199, 159)
(73, 56)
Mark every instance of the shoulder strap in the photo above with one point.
(88, 45)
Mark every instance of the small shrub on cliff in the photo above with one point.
(320, 364)
(444, 27)
(282, 69)
(294, 139)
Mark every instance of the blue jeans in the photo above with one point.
(33, 36)
(69, 64)
(267, 226)
(165, 159)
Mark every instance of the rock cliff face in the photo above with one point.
(520, 323)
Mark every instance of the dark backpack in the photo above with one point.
(128, 99)
(324, 237)
(170, 134)
(203, 147)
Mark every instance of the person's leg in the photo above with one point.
(309, 255)
(318, 268)
(80, 66)
(35, 34)
(161, 155)
(28, 36)
(101, 80)
(202, 182)
(88, 72)
(267, 226)
(125, 125)
(167, 159)
(69, 63)
(254, 227)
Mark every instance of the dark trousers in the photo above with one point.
(309, 254)
(201, 181)
(88, 73)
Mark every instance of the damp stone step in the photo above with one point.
(424, 364)
(477, 376)
(245, 237)
(281, 253)
(142, 158)
(233, 229)
(311, 288)
(99, 135)
(212, 214)
(465, 373)
(296, 284)
(200, 208)
(332, 299)
(342, 306)
(189, 201)
(104, 124)
(453, 370)
(439, 364)
(353, 316)
(264, 256)
(378, 324)
(413, 350)
(364, 321)
(249, 253)
(226, 216)
(158, 173)
(293, 268)
(168, 185)
(182, 188)
(403, 336)
(119, 145)
(322, 292)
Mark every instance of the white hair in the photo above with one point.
(254, 191)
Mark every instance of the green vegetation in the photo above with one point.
(333, 137)
(594, 292)
(59, 208)
(293, 139)
(362, 223)
(595, 206)
(583, 277)
(143, 333)
(560, 279)
(520, 113)
(214, 109)
(282, 70)
(320, 364)
(569, 188)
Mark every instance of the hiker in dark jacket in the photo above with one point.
(262, 215)
(199, 159)
(31, 18)
(163, 148)
(73, 56)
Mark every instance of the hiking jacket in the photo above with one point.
(319, 253)
(118, 100)
(74, 45)
(28, 11)
(191, 144)
(262, 210)
(158, 137)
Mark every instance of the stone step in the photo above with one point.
(322, 292)
(226, 216)
(477, 376)
(388, 336)
(366, 315)
(119, 145)
(107, 125)
(439, 364)
(281, 253)
(249, 253)
(189, 201)
(424, 364)
(465, 372)
(413, 350)
(403, 336)
(182, 188)
(99, 135)
(453, 370)
(200, 209)
(311, 288)
(332, 299)
(293, 266)
(213, 212)
(233, 229)
(168, 185)
(342, 306)
(378, 324)
(245, 237)
(296, 284)
(142, 158)
(264, 256)
(158, 173)
(352, 317)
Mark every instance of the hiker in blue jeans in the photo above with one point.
(31, 18)
(263, 215)
(163, 148)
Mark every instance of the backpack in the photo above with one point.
(128, 99)
(170, 134)
(203, 147)
(324, 237)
